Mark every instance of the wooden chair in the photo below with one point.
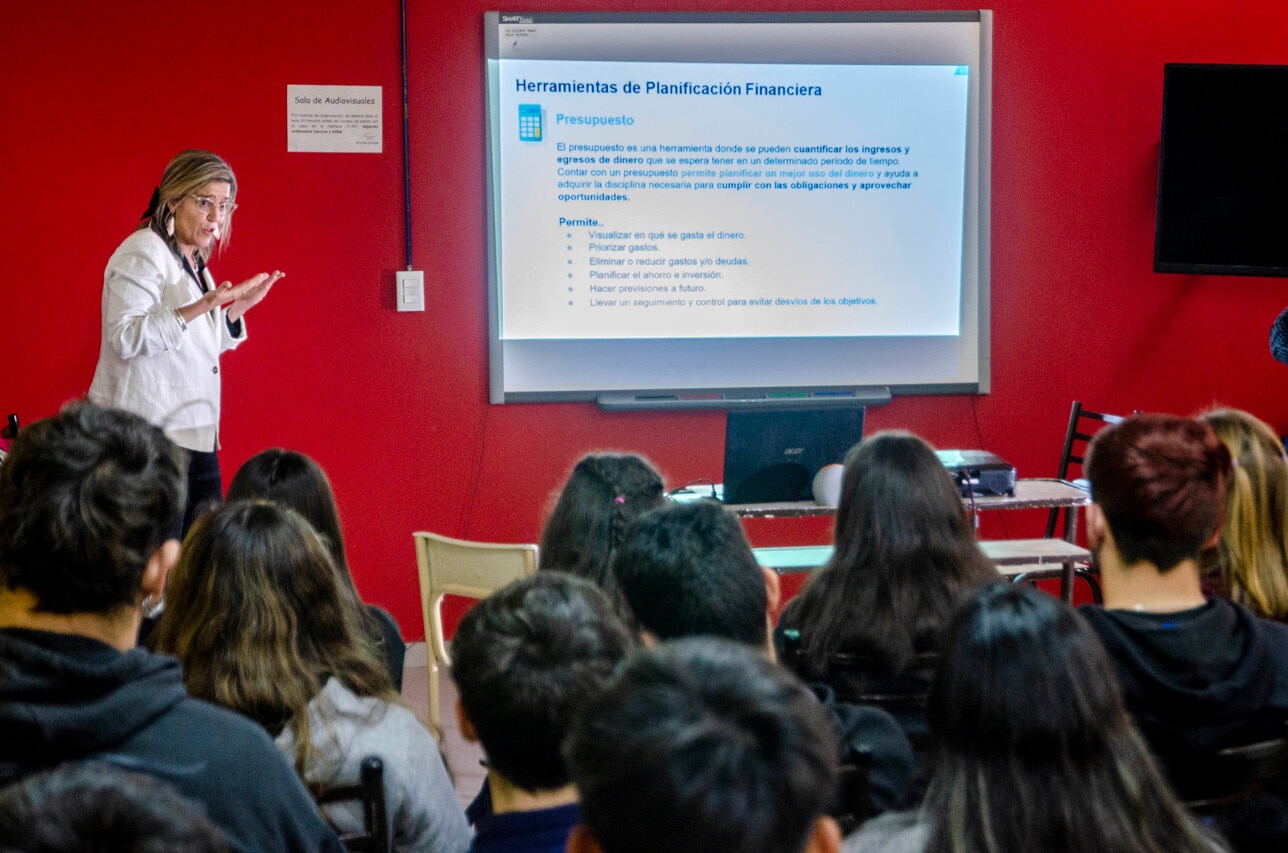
(369, 791)
(1083, 425)
(459, 567)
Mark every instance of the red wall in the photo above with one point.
(101, 95)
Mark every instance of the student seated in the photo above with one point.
(687, 570)
(523, 660)
(905, 556)
(1035, 751)
(89, 805)
(296, 481)
(1250, 562)
(703, 745)
(1197, 673)
(265, 624)
(603, 494)
(87, 502)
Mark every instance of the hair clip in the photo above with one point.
(1234, 462)
(621, 499)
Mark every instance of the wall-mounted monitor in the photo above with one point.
(737, 209)
(1223, 171)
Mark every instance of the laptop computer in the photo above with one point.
(772, 455)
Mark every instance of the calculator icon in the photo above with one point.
(530, 122)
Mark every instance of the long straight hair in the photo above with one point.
(1034, 748)
(905, 556)
(1251, 558)
(258, 615)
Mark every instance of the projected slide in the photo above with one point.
(712, 200)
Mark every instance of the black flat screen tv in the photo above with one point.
(1223, 171)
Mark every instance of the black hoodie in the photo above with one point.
(65, 697)
(1201, 679)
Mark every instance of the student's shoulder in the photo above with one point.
(202, 726)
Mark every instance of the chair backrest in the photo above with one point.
(903, 704)
(853, 802)
(459, 567)
(369, 791)
(1083, 425)
(1212, 784)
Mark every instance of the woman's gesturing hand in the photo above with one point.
(249, 293)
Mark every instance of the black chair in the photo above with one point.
(905, 697)
(369, 791)
(1083, 424)
(1213, 785)
(852, 804)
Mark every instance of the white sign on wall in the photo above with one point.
(335, 119)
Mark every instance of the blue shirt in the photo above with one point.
(541, 831)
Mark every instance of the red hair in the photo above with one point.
(1160, 480)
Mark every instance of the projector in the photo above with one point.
(978, 472)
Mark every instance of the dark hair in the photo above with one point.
(523, 660)
(260, 617)
(603, 494)
(94, 806)
(702, 745)
(687, 570)
(905, 556)
(1160, 480)
(1035, 748)
(86, 498)
(296, 481)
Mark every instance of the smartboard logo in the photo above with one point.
(515, 19)
(529, 122)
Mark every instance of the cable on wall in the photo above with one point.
(406, 116)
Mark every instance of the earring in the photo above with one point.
(153, 606)
(169, 225)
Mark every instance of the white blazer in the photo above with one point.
(148, 362)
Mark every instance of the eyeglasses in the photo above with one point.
(207, 205)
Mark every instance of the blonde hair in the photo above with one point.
(188, 172)
(1251, 559)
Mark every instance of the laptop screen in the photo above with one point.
(772, 455)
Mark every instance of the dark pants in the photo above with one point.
(205, 486)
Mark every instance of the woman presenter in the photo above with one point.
(165, 321)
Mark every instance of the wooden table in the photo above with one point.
(1035, 493)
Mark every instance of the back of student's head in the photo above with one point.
(81, 806)
(603, 494)
(702, 745)
(1035, 750)
(905, 555)
(687, 570)
(259, 616)
(523, 660)
(1252, 555)
(1160, 481)
(296, 481)
(86, 498)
